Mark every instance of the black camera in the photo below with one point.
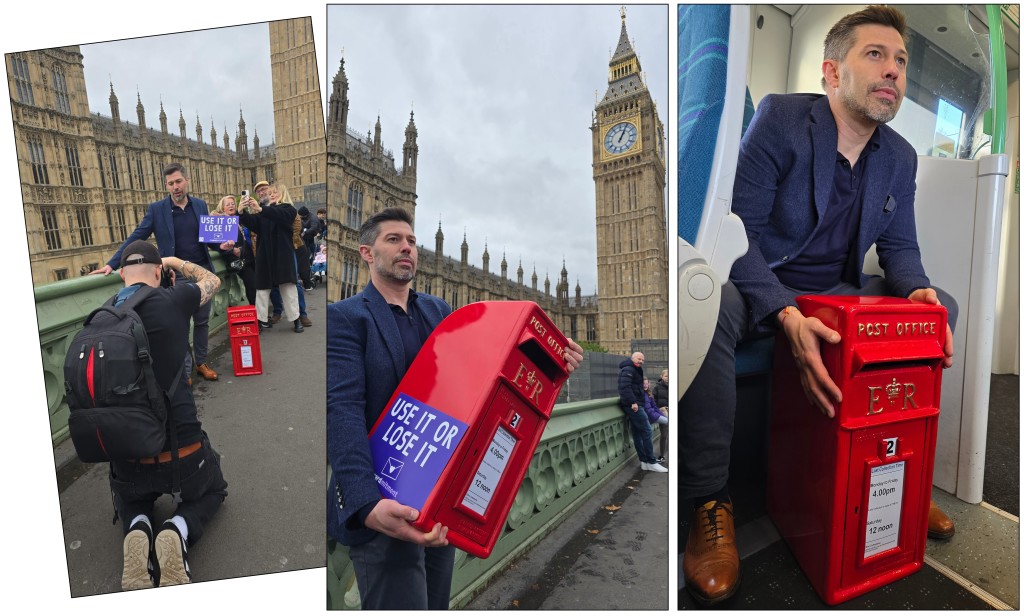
(237, 265)
(166, 278)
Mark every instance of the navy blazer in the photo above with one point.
(158, 221)
(365, 363)
(783, 182)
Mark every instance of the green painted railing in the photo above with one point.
(583, 445)
(61, 308)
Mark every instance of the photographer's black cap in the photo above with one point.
(140, 251)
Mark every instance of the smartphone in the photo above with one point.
(245, 195)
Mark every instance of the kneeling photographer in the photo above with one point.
(113, 418)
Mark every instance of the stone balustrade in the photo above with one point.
(583, 445)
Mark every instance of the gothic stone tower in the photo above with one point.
(298, 114)
(629, 181)
(362, 179)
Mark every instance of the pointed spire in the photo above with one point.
(115, 111)
(624, 47)
(140, 111)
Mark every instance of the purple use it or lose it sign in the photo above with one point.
(411, 446)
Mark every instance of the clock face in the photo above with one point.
(620, 138)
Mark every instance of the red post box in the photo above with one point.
(458, 434)
(244, 333)
(850, 495)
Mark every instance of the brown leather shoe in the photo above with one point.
(206, 372)
(711, 564)
(939, 524)
(305, 322)
(275, 318)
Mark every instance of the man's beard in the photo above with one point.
(393, 273)
(874, 109)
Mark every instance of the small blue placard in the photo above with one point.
(411, 446)
(218, 229)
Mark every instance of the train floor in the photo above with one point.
(977, 569)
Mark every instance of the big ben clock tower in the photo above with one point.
(629, 182)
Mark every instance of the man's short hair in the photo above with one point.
(839, 39)
(171, 168)
(371, 228)
(322, 210)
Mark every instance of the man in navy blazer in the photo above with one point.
(818, 181)
(175, 222)
(373, 337)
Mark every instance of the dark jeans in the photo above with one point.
(135, 487)
(640, 426)
(201, 332)
(707, 411)
(398, 575)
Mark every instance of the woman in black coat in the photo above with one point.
(275, 255)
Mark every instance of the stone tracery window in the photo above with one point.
(60, 87)
(22, 82)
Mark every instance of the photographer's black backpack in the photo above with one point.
(118, 410)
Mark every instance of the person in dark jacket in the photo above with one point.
(174, 220)
(656, 416)
(661, 392)
(631, 399)
(310, 229)
(275, 255)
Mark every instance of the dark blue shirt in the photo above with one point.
(186, 234)
(413, 327)
(823, 263)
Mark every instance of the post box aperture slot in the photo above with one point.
(898, 365)
(888, 356)
(542, 359)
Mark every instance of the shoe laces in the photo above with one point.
(713, 517)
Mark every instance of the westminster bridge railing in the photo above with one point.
(583, 445)
(61, 308)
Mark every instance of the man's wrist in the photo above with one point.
(785, 313)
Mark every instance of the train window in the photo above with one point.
(948, 85)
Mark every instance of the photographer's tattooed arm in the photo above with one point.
(207, 281)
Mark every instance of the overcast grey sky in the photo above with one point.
(503, 97)
(212, 72)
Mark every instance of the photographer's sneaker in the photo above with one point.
(172, 557)
(140, 568)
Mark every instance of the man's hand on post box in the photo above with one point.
(573, 355)
(804, 334)
(929, 296)
(395, 520)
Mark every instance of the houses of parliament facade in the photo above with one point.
(363, 177)
(87, 179)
